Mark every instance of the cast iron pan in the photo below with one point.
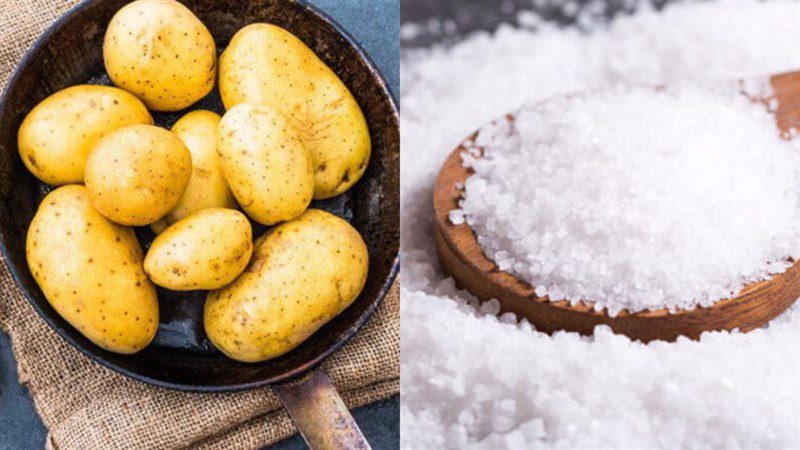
(181, 357)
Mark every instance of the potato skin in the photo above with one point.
(161, 52)
(303, 273)
(207, 188)
(137, 174)
(58, 134)
(206, 250)
(90, 270)
(266, 64)
(265, 164)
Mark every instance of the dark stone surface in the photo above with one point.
(20, 427)
(375, 25)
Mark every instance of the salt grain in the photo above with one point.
(729, 390)
(457, 216)
(773, 104)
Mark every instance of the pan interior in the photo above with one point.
(181, 356)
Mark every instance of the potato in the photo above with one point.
(207, 186)
(57, 135)
(90, 270)
(302, 274)
(266, 64)
(206, 250)
(137, 174)
(266, 165)
(161, 52)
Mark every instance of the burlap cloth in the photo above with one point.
(85, 406)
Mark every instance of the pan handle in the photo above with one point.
(320, 414)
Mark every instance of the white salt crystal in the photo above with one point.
(757, 87)
(570, 8)
(490, 307)
(409, 31)
(528, 19)
(456, 217)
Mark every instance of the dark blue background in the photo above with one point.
(375, 24)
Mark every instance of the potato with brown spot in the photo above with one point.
(58, 134)
(205, 250)
(90, 270)
(199, 131)
(162, 53)
(302, 274)
(266, 166)
(266, 64)
(137, 174)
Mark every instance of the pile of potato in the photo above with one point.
(292, 133)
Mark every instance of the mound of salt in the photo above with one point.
(471, 379)
(637, 199)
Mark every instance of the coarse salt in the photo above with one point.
(728, 390)
(636, 198)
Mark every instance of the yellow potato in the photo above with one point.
(302, 274)
(207, 186)
(58, 134)
(161, 52)
(90, 270)
(206, 250)
(266, 64)
(137, 174)
(265, 164)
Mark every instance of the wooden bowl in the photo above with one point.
(462, 258)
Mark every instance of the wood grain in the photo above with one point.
(461, 257)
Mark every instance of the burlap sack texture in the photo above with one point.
(84, 405)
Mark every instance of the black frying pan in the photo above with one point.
(181, 357)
